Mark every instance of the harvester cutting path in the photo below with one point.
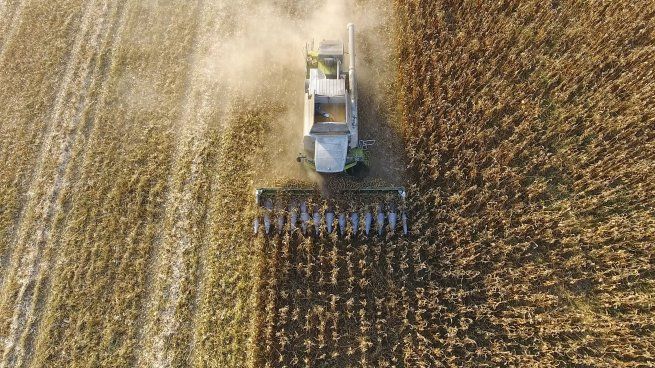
(331, 146)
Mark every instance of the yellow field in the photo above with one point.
(133, 134)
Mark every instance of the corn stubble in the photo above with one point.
(530, 135)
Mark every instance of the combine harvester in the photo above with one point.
(331, 146)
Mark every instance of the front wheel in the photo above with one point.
(359, 171)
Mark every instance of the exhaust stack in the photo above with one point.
(351, 54)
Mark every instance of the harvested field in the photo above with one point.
(133, 133)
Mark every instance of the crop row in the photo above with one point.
(531, 142)
(36, 129)
(30, 78)
(340, 303)
(110, 219)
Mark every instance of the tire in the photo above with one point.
(359, 171)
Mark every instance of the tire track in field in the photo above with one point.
(121, 262)
(10, 20)
(31, 75)
(46, 131)
(41, 341)
(104, 39)
(14, 257)
(9, 262)
(67, 121)
(174, 243)
(176, 259)
(180, 241)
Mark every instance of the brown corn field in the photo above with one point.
(134, 132)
